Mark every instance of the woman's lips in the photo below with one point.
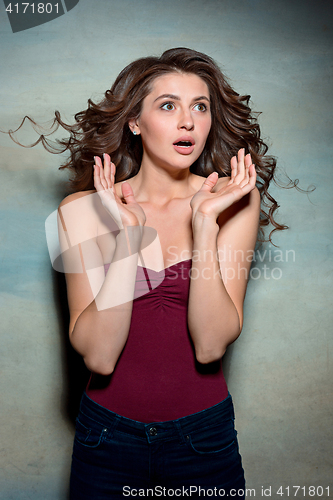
(184, 150)
(184, 145)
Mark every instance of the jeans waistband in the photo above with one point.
(158, 430)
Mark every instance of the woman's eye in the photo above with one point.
(169, 106)
(200, 107)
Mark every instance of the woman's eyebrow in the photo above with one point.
(169, 96)
(177, 98)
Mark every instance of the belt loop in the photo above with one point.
(180, 431)
(113, 426)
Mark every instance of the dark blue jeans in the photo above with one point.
(195, 456)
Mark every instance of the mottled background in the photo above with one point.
(280, 369)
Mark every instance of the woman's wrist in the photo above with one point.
(129, 240)
(203, 226)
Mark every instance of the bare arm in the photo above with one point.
(100, 307)
(221, 266)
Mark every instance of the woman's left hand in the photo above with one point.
(206, 204)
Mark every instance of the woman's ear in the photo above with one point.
(133, 126)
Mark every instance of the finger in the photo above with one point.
(210, 182)
(97, 179)
(250, 180)
(98, 169)
(107, 169)
(233, 164)
(99, 163)
(240, 166)
(248, 160)
(113, 173)
(246, 178)
(253, 174)
(127, 192)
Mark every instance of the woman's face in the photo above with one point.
(175, 121)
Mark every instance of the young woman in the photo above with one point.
(156, 241)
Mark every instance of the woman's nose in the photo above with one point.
(186, 120)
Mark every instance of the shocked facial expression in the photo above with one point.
(175, 121)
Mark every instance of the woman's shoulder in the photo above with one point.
(81, 204)
(80, 195)
(80, 211)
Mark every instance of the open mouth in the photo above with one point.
(183, 144)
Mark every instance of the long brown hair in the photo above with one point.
(103, 127)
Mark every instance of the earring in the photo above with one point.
(134, 132)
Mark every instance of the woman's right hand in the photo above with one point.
(124, 214)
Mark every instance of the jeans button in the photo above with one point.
(153, 431)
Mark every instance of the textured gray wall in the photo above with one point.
(280, 370)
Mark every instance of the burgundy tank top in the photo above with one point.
(157, 377)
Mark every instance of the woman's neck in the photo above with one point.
(159, 185)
